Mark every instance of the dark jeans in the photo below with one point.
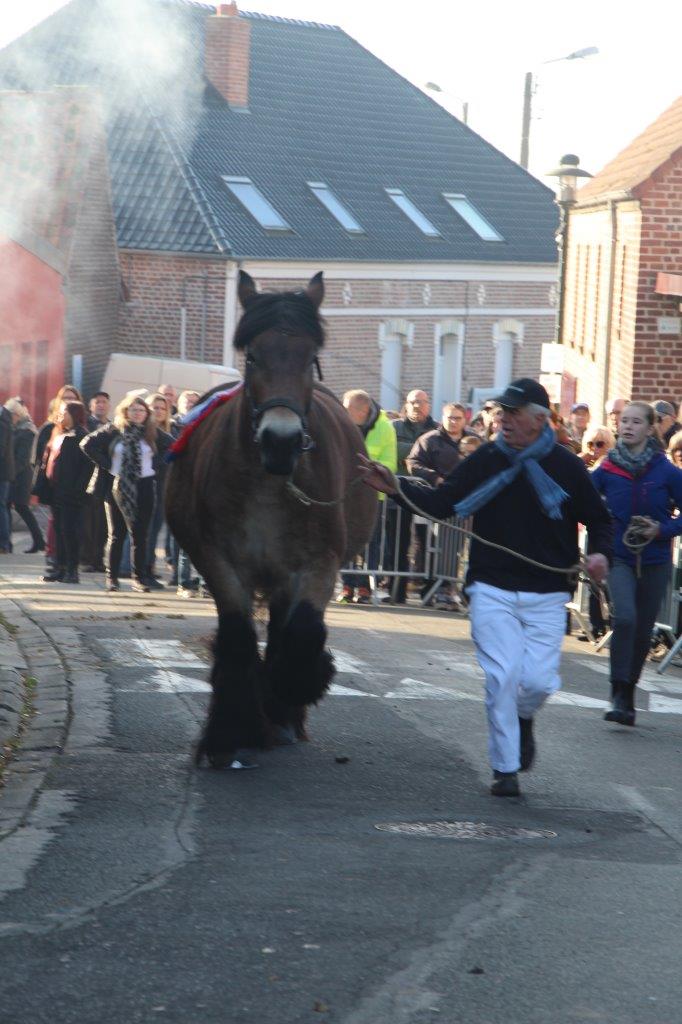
(398, 534)
(94, 532)
(636, 603)
(26, 514)
(154, 531)
(138, 533)
(353, 580)
(4, 515)
(68, 520)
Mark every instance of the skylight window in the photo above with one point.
(411, 211)
(345, 218)
(476, 221)
(255, 202)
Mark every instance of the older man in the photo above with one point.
(613, 409)
(528, 493)
(171, 395)
(666, 421)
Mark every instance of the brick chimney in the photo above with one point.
(228, 43)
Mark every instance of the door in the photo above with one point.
(391, 360)
(504, 361)
(448, 375)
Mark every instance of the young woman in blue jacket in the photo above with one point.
(637, 480)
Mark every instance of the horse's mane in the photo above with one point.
(291, 312)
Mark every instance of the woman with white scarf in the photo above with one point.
(128, 450)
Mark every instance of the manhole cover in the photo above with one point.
(464, 830)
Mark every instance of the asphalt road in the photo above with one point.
(142, 889)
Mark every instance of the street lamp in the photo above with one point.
(529, 90)
(434, 87)
(568, 172)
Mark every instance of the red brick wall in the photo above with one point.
(657, 370)
(149, 319)
(152, 296)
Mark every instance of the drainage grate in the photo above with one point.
(464, 830)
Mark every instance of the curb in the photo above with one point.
(31, 670)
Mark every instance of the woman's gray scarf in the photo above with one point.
(549, 493)
(125, 485)
(636, 465)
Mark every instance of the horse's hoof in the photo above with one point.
(283, 736)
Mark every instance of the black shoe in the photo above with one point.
(92, 568)
(34, 549)
(505, 784)
(71, 577)
(526, 743)
(622, 708)
(55, 576)
(112, 586)
(154, 584)
(139, 587)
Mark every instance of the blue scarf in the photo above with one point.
(527, 459)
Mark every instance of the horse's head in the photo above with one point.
(281, 334)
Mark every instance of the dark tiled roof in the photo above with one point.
(637, 162)
(321, 108)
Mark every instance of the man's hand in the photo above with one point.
(597, 567)
(377, 476)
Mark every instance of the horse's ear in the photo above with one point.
(246, 289)
(315, 290)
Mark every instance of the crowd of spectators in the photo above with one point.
(100, 473)
(431, 450)
(99, 476)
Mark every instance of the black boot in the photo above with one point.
(35, 547)
(526, 743)
(505, 784)
(71, 576)
(56, 575)
(622, 704)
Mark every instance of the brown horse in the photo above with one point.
(230, 504)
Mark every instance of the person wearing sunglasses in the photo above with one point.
(597, 441)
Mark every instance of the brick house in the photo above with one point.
(622, 327)
(58, 264)
(284, 147)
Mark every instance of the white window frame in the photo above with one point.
(472, 216)
(412, 212)
(331, 202)
(278, 222)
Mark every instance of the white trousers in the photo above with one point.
(518, 637)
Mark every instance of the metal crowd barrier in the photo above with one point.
(407, 546)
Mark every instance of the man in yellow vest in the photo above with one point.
(382, 446)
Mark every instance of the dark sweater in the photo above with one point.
(515, 519)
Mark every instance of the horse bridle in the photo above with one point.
(278, 402)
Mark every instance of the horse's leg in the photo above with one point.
(301, 669)
(235, 715)
(288, 720)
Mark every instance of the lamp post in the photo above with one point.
(434, 87)
(529, 88)
(568, 172)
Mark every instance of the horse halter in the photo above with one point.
(278, 402)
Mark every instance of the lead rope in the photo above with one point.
(635, 542)
(573, 573)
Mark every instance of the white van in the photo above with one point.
(126, 373)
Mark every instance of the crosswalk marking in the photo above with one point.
(163, 656)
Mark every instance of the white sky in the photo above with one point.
(479, 51)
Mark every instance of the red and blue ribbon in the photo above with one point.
(197, 415)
